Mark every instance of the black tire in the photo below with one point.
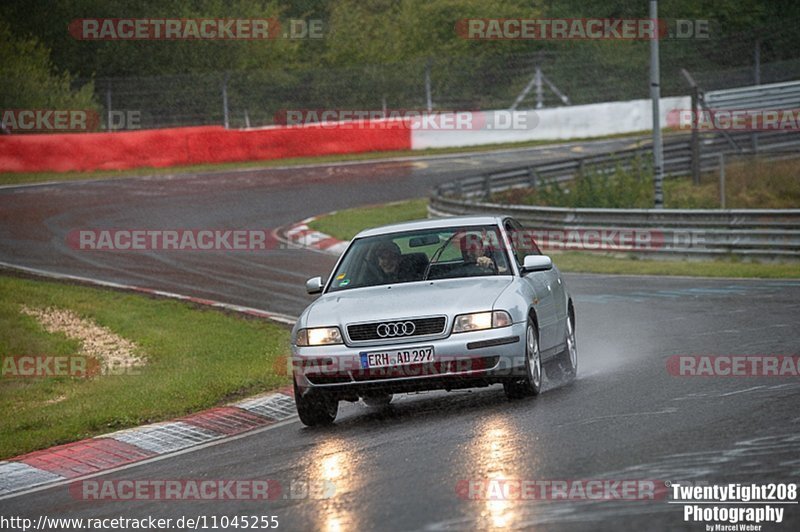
(377, 400)
(564, 367)
(531, 383)
(315, 408)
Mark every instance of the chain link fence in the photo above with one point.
(573, 74)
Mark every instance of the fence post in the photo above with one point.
(225, 99)
(539, 91)
(695, 137)
(487, 186)
(655, 96)
(108, 107)
(428, 85)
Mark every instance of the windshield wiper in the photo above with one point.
(436, 255)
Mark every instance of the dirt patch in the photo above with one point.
(114, 352)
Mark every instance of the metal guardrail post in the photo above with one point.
(534, 177)
(721, 180)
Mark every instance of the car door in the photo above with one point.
(546, 287)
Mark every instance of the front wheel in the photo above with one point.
(531, 383)
(565, 365)
(315, 408)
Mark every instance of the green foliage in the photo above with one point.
(377, 51)
(750, 184)
(363, 32)
(625, 186)
(27, 78)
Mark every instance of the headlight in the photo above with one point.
(481, 320)
(319, 336)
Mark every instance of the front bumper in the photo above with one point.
(477, 358)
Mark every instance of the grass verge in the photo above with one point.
(196, 359)
(345, 224)
(593, 262)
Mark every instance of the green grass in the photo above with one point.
(196, 359)
(593, 262)
(12, 178)
(345, 224)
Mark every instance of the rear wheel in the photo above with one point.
(315, 408)
(531, 383)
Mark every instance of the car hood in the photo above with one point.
(424, 298)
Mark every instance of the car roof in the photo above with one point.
(431, 223)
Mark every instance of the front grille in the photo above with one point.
(422, 327)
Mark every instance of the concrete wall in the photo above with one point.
(558, 123)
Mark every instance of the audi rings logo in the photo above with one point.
(398, 328)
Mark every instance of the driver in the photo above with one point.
(476, 260)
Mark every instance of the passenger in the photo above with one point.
(388, 255)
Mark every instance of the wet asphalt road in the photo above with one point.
(35, 221)
(625, 417)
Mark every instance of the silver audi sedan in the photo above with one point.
(432, 304)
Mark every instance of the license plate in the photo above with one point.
(399, 357)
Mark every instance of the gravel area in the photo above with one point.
(116, 354)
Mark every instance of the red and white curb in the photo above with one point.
(92, 456)
(111, 451)
(301, 235)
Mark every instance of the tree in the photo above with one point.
(28, 79)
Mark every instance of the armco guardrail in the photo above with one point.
(776, 96)
(665, 233)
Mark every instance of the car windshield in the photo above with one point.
(437, 253)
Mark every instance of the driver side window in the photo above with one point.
(522, 242)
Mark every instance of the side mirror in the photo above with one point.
(314, 285)
(536, 263)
